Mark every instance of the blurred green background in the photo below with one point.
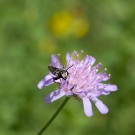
(31, 30)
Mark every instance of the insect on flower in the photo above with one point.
(59, 72)
(83, 81)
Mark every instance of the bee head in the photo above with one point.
(64, 74)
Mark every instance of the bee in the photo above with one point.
(59, 72)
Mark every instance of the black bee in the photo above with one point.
(59, 72)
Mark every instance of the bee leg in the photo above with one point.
(55, 78)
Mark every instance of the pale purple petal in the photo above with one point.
(86, 60)
(111, 87)
(54, 96)
(72, 55)
(94, 93)
(105, 92)
(45, 82)
(68, 58)
(101, 106)
(87, 107)
(70, 93)
(105, 77)
(92, 60)
(97, 66)
(55, 61)
(107, 87)
(102, 77)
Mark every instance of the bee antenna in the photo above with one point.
(70, 67)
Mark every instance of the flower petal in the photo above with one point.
(55, 61)
(107, 87)
(101, 106)
(86, 60)
(105, 76)
(111, 87)
(54, 96)
(102, 77)
(92, 60)
(105, 92)
(45, 82)
(87, 107)
(68, 58)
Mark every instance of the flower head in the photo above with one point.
(83, 81)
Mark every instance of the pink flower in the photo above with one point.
(83, 81)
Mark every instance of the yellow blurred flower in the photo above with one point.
(80, 27)
(64, 23)
(60, 23)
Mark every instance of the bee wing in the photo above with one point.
(54, 70)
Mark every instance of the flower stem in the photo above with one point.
(53, 116)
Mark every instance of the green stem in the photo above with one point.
(53, 116)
